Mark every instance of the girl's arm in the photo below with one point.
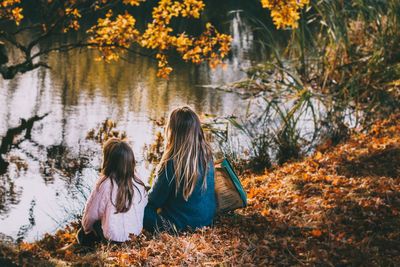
(162, 188)
(94, 208)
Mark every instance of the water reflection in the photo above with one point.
(31, 222)
(80, 93)
(9, 194)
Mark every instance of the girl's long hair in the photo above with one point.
(119, 166)
(186, 146)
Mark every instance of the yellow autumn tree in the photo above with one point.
(115, 31)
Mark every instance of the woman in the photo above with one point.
(182, 196)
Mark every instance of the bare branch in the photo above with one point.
(9, 72)
(68, 47)
(12, 40)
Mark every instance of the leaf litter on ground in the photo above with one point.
(339, 207)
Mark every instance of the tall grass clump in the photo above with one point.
(339, 70)
(358, 56)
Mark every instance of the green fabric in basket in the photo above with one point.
(235, 179)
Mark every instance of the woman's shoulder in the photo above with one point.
(166, 170)
(169, 164)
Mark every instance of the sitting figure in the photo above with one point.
(183, 196)
(115, 207)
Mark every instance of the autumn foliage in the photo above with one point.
(285, 13)
(115, 33)
(10, 10)
(340, 207)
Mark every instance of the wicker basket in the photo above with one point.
(228, 189)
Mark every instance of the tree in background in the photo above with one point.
(111, 27)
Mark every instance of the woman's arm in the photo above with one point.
(162, 188)
(94, 208)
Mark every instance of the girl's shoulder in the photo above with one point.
(103, 184)
(140, 191)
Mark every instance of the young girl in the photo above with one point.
(182, 196)
(115, 207)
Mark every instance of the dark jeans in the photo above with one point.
(91, 238)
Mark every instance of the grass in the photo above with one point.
(340, 207)
(339, 70)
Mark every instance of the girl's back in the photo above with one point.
(116, 226)
(119, 198)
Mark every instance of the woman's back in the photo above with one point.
(184, 189)
(197, 211)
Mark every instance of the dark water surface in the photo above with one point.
(52, 172)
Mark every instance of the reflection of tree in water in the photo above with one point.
(61, 160)
(24, 229)
(57, 160)
(8, 141)
(10, 194)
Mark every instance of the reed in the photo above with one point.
(339, 70)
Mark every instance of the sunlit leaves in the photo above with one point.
(163, 68)
(285, 13)
(211, 45)
(115, 33)
(112, 34)
(132, 2)
(75, 15)
(9, 9)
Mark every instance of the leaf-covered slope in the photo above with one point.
(341, 207)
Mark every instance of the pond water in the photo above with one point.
(42, 187)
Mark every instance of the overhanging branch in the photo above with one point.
(9, 72)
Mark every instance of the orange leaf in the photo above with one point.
(318, 156)
(265, 212)
(316, 233)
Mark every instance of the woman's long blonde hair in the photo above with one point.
(186, 146)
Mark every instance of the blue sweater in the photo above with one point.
(196, 212)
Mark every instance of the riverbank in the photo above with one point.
(337, 207)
